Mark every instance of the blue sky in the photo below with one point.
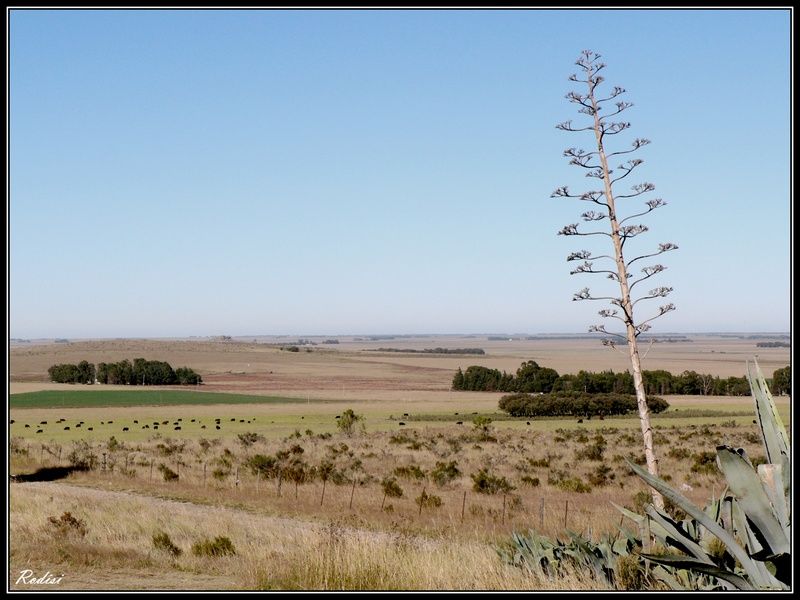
(179, 173)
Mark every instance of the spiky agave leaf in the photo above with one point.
(773, 433)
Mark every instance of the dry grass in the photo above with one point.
(271, 553)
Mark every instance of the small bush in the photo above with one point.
(167, 473)
(629, 573)
(531, 481)
(162, 541)
(602, 475)
(410, 472)
(704, 462)
(247, 439)
(445, 473)
(391, 488)
(426, 500)
(679, 452)
(67, 525)
(219, 546)
(485, 483)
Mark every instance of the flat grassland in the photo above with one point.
(338, 531)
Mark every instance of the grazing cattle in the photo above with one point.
(78, 425)
(110, 422)
(11, 422)
(233, 419)
(39, 431)
(192, 420)
(401, 423)
(474, 413)
(337, 416)
(102, 422)
(218, 427)
(43, 423)
(241, 420)
(181, 419)
(90, 428)
(178, 428)
(527, 422)
(405, 414)
(124, 429)
(459, 422)
(580, 420)
(455, 414)
(202, 426)
(26, 425)
(66, 428)
(302, 417)
(135, 421)
(155, 426)
(164, 422)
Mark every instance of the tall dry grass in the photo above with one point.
(270, 553)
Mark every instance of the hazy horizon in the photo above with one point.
(402, 335)
(174, 172)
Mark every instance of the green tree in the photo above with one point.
(782, 381)
(348, 422)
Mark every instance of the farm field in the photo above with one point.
(201, 463)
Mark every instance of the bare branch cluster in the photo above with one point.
(600, 110)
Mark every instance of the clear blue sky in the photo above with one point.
(180, 173)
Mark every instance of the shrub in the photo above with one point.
(348, 422)
(66, 525)
(167, 473)
(531, 481)
(602, 475)
(247, 439)
(485, 483)
(410, 472)
(219, 546)
(82, 456)
(704, 462)
(162, 541)
(445, 472)
(391, 488)
(265, 467)
(426, 500)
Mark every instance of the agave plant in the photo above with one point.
(740, 541)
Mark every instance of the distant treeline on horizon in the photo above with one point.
(531, 378)
(432, 350)
(140, 372)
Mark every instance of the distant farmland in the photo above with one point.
(90, 398)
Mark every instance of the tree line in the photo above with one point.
(139, 372)
(532, 378)
(558, 404)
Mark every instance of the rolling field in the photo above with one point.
(341, 533)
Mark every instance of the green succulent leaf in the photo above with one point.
(773, 433)
(745, 485)
(684, 562)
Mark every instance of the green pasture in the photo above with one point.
(276, 417)
(100, 398)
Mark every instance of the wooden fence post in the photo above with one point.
(322, 498)
(151, 469)
(566, 510)
(503, 518)
(421, 501)
(204, 474)
(463, 504)
(541, 514)
(352, 491)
